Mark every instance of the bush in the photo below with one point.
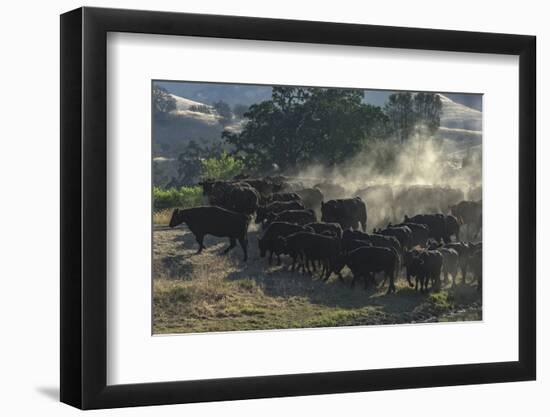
(177, 197)
(201, 108)
(223, 168)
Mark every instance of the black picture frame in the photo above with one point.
(84, 207)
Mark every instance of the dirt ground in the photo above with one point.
(212, 291)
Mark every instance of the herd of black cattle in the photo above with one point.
(428, 246)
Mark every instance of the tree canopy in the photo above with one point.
(407, 112)
(302, 125)
(163, 103)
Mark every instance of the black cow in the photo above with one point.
(215, 221)
(348, 212)
(234, 196)
(301, 217)
(452, 226)
(312, 197)
(425, 199)
(437, 223)
(276, 207)
(475, 263)
(420, 233)
(285, 197)
(450, 264)
(311, 247)
(268, 242)
(402, 233)
(426, 267)
(464, 250)
(322, 227)
(376, 240)
(264, 187)
(365, 261)
(469, 212)
(349, 245)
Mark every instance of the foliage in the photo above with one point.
(301, 125)
(400, 112)
(223, 167)
(189, 164)
(200, 108)
(239, 110)
(163, 103)
(223, 109)
(407, 112)
(427, 109)
(182, 197)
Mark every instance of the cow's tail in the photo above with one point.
(397, 269)
(248, 220)
(398, 263)
(363, 216)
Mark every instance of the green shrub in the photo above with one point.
(177, 197)
(223, 168)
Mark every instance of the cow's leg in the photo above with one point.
(313, 268)
(327, 271)
(391, 285)
(278, 259)
(270, 259)
(244, 245)
(200, 239)
(383, 281)
(232, 243)
(301, 263)
(437, 280)
(308, 262)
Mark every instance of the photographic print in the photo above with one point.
(285, 207)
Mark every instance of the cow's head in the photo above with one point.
(178, 217)
(173, 219)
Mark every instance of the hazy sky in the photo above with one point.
(250, 94)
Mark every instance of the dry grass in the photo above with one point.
(162, 217)
(217, 292)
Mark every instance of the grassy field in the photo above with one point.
(216, 292)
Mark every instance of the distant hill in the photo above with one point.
(458, 116)
(474, 101)
(459, 123)
(209, 93)
(191, 120)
